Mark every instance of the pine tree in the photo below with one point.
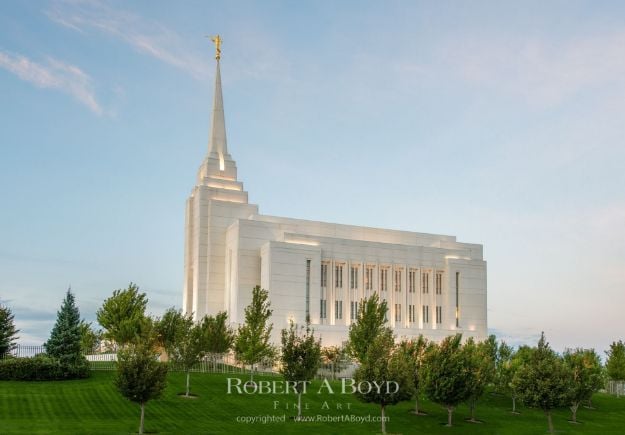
(301, 357)
(252, 345)
(64, 343)
(8, 332)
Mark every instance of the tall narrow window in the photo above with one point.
(412, 281)
(411, 314)
(439, 314)
(338, 310)
(457, 299)
(322, 309)
(398, 280)
(398, 312)
(307, 290)
(425, 282)
(353, 310)
(338, 279)
(383, 280)
(426, 314)
(439, 283)
(369, 278)
(353, 277)
(324, 275)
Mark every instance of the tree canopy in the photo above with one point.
(369, 324)
(615, 364)
(123, 315)
(8, 332)
(543, 381)
(252, 344)
(301, 357)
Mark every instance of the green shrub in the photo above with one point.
(41, 368)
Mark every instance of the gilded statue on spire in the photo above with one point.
(217, 40)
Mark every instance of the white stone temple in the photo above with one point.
(433, 284)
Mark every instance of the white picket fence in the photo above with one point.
(616, 388)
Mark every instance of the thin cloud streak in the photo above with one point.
(55, 74)
(145, 36)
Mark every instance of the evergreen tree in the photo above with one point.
(8, 332)
(123, 315)
(388, 374)
(586, 376)
(544, 381)
(414, 351)
(140, 376)
(64, 343)
(300, 358)
(368, 325)
(251, 345)
(447, 374)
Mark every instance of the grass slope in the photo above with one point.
(93, 406)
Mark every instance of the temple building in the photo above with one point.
(433, 284)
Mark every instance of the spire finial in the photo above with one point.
(217, 40)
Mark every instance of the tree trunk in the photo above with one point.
(416, 405)
(574, 412)
(188, 374)
(472, 420)
(142, 418)
(299, 405)
(450, 409)
(513, 404)
(252, 373)
(383, 421)
(549, 421)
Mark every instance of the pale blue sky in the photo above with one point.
(502, 123)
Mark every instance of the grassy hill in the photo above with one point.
(93, 406)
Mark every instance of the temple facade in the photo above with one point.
(433, 284)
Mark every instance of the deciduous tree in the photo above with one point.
(300, 358)
(252, 345)
(615, 364)
(586, 376)
(140, 376)
(336, 357)
(446, 377)
(123, 315)
(183, 339)
(480, 358)
(387, 372)
(368, 325)
(218, 335)
(543, 382)
(414, 351)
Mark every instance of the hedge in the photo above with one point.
(41, 368)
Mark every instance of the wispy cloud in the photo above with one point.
(540, 71)
(145, 36)
(54, 74)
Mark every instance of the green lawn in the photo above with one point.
(93, 406)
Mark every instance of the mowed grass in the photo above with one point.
(93, 406)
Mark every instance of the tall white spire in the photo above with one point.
(218, 145)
